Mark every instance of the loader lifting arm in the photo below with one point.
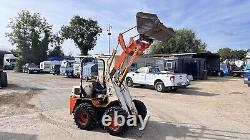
(149, 28)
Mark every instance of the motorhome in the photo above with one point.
(9, 61)
(46, 66)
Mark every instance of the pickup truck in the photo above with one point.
(162, 81)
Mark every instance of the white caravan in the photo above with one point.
(46, 66)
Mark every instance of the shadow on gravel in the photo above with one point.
(232, 93)
(191, 91)
(16, 136)
(186, 91)
(220, 79)
(19, 99)
(161, 130)
(17, 87)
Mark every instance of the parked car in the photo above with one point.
(55, 70)
(162, 81)
(31, 68)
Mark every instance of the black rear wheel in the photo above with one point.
(113, 128)
(85, 116)
(160, 87)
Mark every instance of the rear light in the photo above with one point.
(172, 78)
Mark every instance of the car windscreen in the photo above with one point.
(12, 60)
(32, 65)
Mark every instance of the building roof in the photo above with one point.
(202, 54)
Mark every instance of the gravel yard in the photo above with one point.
(36, 107)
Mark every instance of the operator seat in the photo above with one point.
(92, 90)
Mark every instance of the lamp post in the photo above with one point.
(109, 34)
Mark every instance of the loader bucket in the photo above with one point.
(148, 25)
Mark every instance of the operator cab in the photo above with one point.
(96, 89)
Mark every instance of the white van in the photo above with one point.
(9, 61)
(66, 68)
(46, 66)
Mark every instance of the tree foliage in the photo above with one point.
(83, 32)
(184, 41)
(227, 53)
(30, 33)
(56, 52)
(56, 42)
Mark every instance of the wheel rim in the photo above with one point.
(159, 87)
(83, 117)
(112, 126)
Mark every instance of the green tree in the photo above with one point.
(31, 34)
(184, 41)
(239, 54)
(56, 52)
(83, 32)
(14, 52)
(56, 42)
(225, 53)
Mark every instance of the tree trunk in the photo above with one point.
(84, 51)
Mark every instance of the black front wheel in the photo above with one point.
(129, 82)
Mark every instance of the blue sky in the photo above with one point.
(224, 23)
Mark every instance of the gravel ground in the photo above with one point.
(36, 107)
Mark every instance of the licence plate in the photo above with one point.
(35, 71)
